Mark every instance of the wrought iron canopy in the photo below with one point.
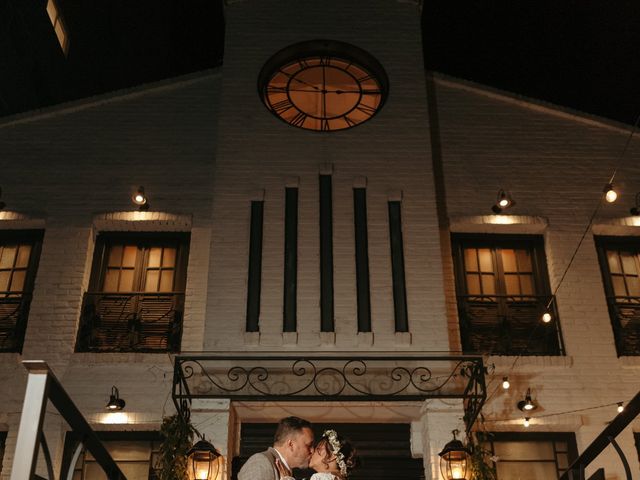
(376, 377)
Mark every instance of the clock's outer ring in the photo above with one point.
(314, 48)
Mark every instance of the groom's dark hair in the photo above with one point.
(287, 427)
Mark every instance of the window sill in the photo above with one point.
(503, 362)
(93, 358)
(630, 361)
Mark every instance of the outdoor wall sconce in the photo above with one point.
(202, 461)
(634, 210)
(115, 402)
(140, 199)
(455, 460)
(610, 195)
(527, 404)
(503, 201)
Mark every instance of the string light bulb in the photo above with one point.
(505, 383)
(610, 195)
(620, 407)
(546, 317)
(526, 422)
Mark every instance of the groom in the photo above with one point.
(292, 448)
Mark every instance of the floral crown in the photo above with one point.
(332, 438)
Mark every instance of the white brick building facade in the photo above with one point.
(204, 147)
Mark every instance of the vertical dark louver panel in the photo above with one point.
(290, 259)
(255, 267)
(362, 259)
(397, 267)
(326, 255)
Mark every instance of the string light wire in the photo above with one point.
(573, 256)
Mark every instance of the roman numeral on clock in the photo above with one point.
(281, 106)
(299, 119)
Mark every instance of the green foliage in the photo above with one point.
(481, 465)
(177, 438)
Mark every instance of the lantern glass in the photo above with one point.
(454, 465)
(203, 462)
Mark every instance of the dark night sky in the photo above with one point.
(581, 54)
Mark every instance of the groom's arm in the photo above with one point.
(258, 467)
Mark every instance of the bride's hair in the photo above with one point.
(343, 450)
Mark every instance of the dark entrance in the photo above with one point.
(384, 449)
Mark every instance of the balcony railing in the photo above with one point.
(131, 322)
(14, 310)
(509, 325)
(625, 318)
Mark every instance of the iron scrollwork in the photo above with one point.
(280, 378)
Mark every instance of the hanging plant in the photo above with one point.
(177, 438)
(482, 467)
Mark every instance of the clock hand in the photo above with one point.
(298, 80)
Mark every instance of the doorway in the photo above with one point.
(384, 449)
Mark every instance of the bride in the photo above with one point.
(333, 459)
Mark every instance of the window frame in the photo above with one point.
(23, 237)
(540, 284)
(149, 239)
(73, 441)
(568, 437)
(138, 320)
(603, 244)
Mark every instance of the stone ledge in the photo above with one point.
(142, 221)
(630, 362)
(526, 363)
(498, 224)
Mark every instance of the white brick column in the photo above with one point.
(212, 418)
(439, 418)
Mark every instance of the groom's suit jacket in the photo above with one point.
(260, 466)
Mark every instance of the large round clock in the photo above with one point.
(323, 85)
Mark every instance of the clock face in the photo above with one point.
(323, 86)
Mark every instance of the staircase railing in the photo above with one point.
(42, 385)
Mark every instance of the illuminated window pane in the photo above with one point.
(129, 256)
(155, 255)
(614, 263)
(619, 288)
(486, 260)
(111, 281)
(470, 260)
(169, 257)
(628, 263)
(17, 281)
(524, 260)
(509, 260)
(126, 281)
(8, 256)
(473, 285)
(23, 256)
(512, 284)
(4, 280)
(166, 282)
(115, 256)
(151, 284)
(526, 285)
(488, 285)
(633, 286)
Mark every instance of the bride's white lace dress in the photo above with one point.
(323, 476)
